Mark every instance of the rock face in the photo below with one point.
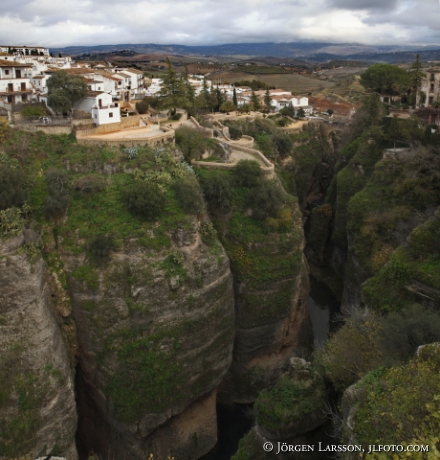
(37, 403)
(271, 308)
(294, 406)
(156, 333)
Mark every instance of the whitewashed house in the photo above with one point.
(101, 106)
(15, 85)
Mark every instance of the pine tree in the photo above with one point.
(416, 77)
(254, 101)
(234, 98)
(173, 90)
(267, 100)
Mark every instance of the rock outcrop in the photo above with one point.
(37, 401)
(156, 332)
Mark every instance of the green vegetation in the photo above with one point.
(64, 90)
(290, 401)
(193, 143)
(386, 79)
(189, 194)
(99, 249)
(143, 106)
(13, 187)
(247, 173)
(33, 111)
(401, 404)
(58, 193)
(145, 200)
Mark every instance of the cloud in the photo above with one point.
(364, 4)
(206, 22)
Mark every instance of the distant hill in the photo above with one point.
(314, 51)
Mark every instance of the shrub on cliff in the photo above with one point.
(145, 200)
(90, 184)
(143, 106)
(13, 189)
(58, 193)
(100, 248)
(403, 332)
(248, 173)
(401, 404)
(353, 351)
(218, 191)
(192, 142)
(266, 200)
(189, 194)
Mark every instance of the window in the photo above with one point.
(110, 115)
(6, 72)
(432, 87)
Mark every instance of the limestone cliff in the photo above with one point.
(271, 287)
(155, 332)
(37, 402)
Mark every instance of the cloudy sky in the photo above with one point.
(56, 23)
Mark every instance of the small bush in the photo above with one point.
(99, 249)
(248, 173)
(143, 106)
(235, 132)
(11, 222)
(90, 184)
(403, 332)
(145, 200)
(33, 111)
(351, 352)
(192, 143)
(13, 189)
(4, 128)
(266, 200)
(189, 194)
(176, 117)
(58, 193)
(218, 192)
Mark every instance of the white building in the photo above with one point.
(101, 106)
(15, 86)
(25, 50)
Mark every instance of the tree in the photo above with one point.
(142, 106)
(248, 173)
(218, 192)
(227, 107)
(64, 90)
(145, 200)
(386, 79)
(255, 102)
(99, 249)
(268, 100)
(173, 92)
(189, 194)
(395, 130)
(417, 75)
(192, 142)
(4, 128)
(13, 187)
(234, 98)
(301, 113)
(266, 200)
(58, 193)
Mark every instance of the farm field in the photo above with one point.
(291, 82)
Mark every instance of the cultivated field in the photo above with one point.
(291, 82)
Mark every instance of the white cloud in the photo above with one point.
(90, 22)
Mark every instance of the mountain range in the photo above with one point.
(313, 51)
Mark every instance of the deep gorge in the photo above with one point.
(155, 325)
